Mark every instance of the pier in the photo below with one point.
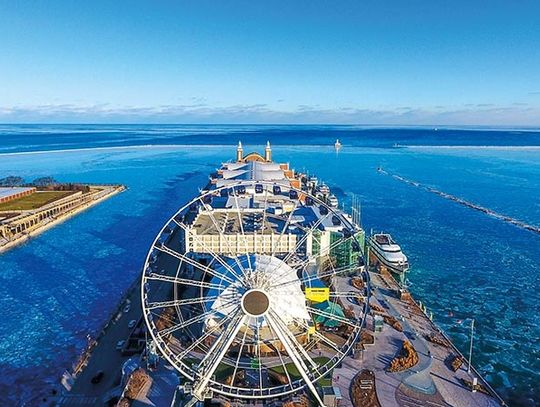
(430, 381)
(18, 225)
(326, 323)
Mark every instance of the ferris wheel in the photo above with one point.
(224, 292)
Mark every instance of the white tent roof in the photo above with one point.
(287, 300)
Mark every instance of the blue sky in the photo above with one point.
(364, 62)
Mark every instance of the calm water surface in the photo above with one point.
(62, 285)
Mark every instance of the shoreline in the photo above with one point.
(61, 218)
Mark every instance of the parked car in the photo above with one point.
(127, 308)
(132, 323)
(120, 344)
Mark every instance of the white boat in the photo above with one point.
(337, 145)
(388, 252)
(323, 189)
(333, 201)
(312, 182)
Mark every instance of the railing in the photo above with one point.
(492, 391)
(494, 394)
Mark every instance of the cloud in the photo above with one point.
(482, 114)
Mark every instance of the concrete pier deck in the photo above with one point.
(430, 382)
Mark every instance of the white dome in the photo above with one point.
(286, 299)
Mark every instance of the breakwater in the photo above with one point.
(463, 202)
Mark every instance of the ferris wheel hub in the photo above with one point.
(255, 302)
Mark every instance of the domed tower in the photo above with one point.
(239, 152)
(268, 152)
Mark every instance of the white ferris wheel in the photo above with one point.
(224, 293)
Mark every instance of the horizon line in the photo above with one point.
(429, 126)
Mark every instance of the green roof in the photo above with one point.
(330, 308)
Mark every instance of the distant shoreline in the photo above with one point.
(462, 147)
(130, 147)
(433, 127)
(176, 146)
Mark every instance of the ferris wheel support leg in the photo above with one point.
(208, 370)
(293, 354)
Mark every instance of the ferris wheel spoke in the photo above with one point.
(184, 281)
(285, 227)
(332, 316)
(224, 239)
(302, 267)
(312, 258)
(347, 294)
(239, 215)
(313, 277)
(341, 240)
(216, 343)
(303, 239)
(200, 340)
(242, 344)
(323, 338)
(193, 263)
(179, 303)
(187, 322)
(208, 367)
(294, 341)
(214, 255)
(241, 224)
(264, 211)
(259, 362)
(197, 318)
(332, 273)
(275, 336)
(293, 354)
(306, 234)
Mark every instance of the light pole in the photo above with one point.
(471, 345)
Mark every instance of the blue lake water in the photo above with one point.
(62, 285)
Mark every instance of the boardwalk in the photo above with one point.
(430, 382)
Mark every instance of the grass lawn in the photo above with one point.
(33, 201)
(223, 371)
(295, 374)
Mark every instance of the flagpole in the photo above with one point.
(471, 345)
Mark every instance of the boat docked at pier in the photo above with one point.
(333, 201)
(388, 252)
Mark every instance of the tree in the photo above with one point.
(11, 181)
(44, 182)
